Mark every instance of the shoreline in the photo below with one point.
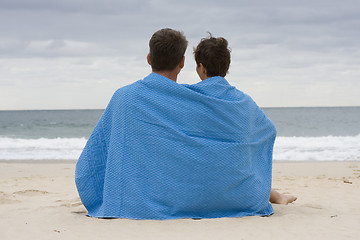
(75, 160)
(38, 199)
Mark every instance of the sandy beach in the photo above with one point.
(38, 200)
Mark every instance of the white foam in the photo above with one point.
(42, 148)
(329, 148)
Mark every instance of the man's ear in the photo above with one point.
(182, 62)
(148, 59)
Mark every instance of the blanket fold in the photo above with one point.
(164, 150)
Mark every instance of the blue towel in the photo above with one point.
(164, 150)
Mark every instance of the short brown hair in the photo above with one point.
(214, 54)
(167, 47)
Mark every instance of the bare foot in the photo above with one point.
(285, 199)
(279, 198)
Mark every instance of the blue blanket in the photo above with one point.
(164, 150)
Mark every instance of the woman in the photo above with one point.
(212, 57)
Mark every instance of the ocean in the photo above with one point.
(304, 134)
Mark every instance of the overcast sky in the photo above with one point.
(74, 54)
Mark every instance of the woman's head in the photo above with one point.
(214, 55)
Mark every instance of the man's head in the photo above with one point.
(213, 55)
(167, 49)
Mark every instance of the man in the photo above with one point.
(164, 150)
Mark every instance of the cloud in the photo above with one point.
(66, 6)
(101, 45)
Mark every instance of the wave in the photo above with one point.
(41, 149)
(330, 148)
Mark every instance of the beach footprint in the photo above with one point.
(356, 172)
(80, 212)
(30, 192)
(70, 203)
(6, 199)
(74, 204)
(313, 206)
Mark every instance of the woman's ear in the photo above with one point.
(202, 69)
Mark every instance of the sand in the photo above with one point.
(38, 200)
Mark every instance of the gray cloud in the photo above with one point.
(88, 6)
(293, 44)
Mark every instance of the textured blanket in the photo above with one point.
(164, 150)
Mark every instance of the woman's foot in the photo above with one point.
(279, 198)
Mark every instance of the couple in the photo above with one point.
(164, 150)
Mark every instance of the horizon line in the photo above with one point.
(85, 109)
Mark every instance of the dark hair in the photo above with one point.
(214, 54)
(167, 47)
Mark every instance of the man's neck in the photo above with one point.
(172, 75)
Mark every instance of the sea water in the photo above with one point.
(304, 134)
